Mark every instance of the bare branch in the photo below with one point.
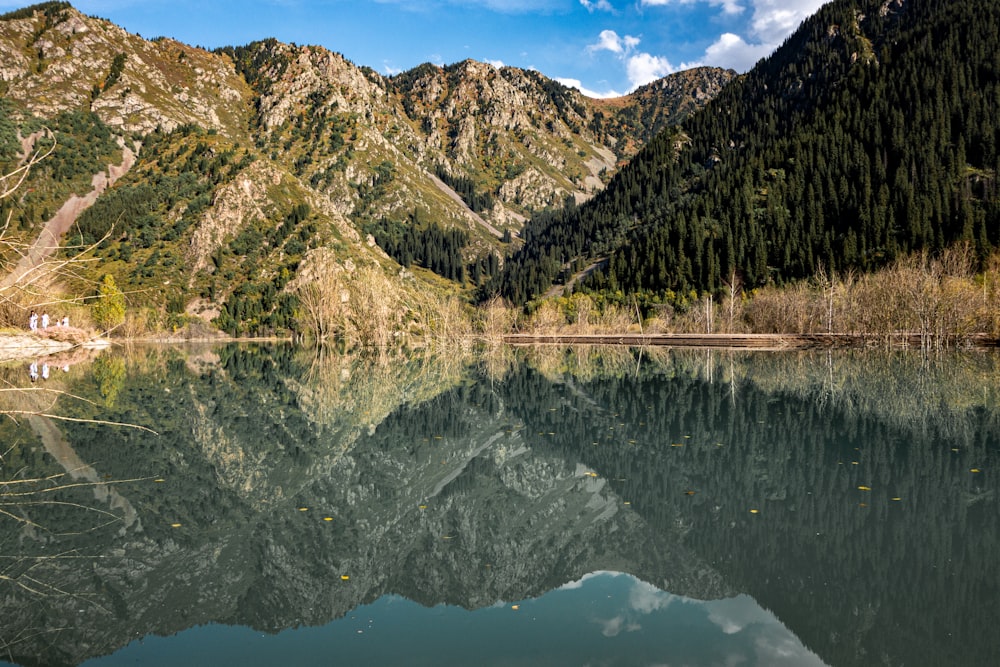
(83, 421)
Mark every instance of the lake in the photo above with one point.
(265, 505)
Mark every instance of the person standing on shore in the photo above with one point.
(33, 321)
(45, 320)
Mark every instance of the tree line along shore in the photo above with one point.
(939, 302)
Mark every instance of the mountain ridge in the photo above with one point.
(368, 153)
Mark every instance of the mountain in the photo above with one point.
(868, 134)
(260, 164)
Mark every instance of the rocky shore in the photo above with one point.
(25, 345)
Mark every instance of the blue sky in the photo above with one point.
(603, 47)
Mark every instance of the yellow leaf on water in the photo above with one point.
(344, 577)
(855, 463)
(754, 511)
(303, 509)
(689, 493)
(159, 480)
(175, 525)
(515, 607)
(677, 444)
(423, 507)
(974, 470)
(897, 499)
(328, 518)
(864, 488)
(862, 504)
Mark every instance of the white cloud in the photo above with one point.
(501, 6)
(612, 627)
(599, 6)
(772, 643)
(496, 63)
(576, 83)
(640, 67)
(773, 20)
(646, 598)
(643, 68)
(609, 40)
(728, 6)
(573, 585)
(731, 51)
(748, 39)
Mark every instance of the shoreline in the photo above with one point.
(748, 341)
(16, 346)
(26, 345)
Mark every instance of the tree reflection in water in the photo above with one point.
(286, 490)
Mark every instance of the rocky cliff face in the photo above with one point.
(54, 62)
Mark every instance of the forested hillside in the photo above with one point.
(870, 133)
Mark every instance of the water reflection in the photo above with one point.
(284, 490)
(603, 619)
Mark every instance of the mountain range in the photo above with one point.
(228, 144)
(264, 185)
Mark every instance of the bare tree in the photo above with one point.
(734, 297)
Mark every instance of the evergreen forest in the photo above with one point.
(871, 133)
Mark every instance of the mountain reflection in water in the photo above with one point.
(851, 494)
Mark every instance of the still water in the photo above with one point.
(275, 505)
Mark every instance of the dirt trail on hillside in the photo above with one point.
(28, 269)
(443, 187)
